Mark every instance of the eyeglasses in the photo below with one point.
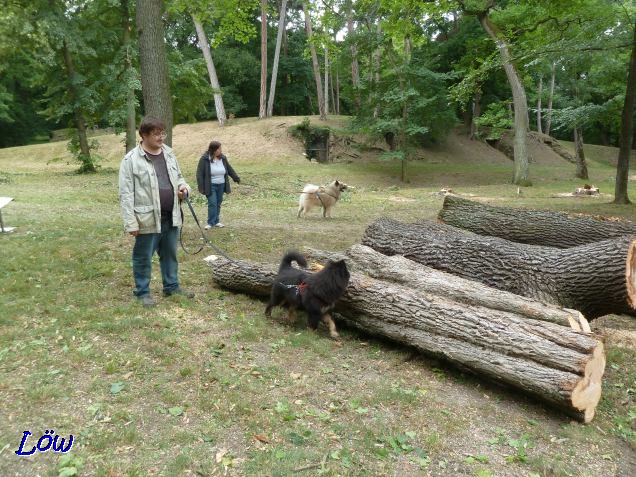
(161, 134)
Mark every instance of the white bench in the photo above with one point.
(4, 201)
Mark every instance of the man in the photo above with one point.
(150, 188)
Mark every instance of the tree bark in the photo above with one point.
(536, 227)
(539, 106)
(579, 154)
(335, 92)
(596, 279)
(326, 92)
(355, 67)
(548, 125)
(78, 114)
(279, 40)
(315, 64)
(129, 71)
(521, 174)
(214, 79)
(558, 365)
(402, 271)
(627, 130)
(153, 62)
(262, 111)
(475, 113)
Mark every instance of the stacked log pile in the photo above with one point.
(512, 312)
(531, 346)
(596, 279)
(537, 227)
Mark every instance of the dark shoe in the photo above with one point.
(147, 300)
(179, 292)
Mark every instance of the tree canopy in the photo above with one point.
(405, 70)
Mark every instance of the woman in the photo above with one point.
(212, 180)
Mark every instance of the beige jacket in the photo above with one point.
(139, 191)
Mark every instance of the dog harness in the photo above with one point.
(301, 287)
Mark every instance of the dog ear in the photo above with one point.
(337, 183)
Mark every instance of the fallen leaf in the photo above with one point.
(220, 454)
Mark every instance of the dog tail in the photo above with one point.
(293, 256)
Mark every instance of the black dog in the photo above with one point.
(316, 293)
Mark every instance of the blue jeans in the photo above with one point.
(214, 203)
(165, 244)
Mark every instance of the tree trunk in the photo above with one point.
(475, 113)
(315, 64)
(129, 71)
(78, 114)
(355, 68)
(262, 112)
(153, 62)
(536, 227)
(539, 106)
(521, 173)
(335, 92)
(214, 80)
(579, 154)
(402, 134)
(596, 279)
(550, 98)
(402, 271)
(326, 92)
(627, 130)
(558, 365)
(375, 68)
(131, 120)
(279, 40)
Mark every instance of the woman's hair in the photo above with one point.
(150, 124)
(214, 145)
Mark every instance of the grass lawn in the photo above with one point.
(209, 386)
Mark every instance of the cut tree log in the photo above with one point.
(403, 271)
(597, 279)
(554, 363)
(538, 227)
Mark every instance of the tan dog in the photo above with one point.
(320, 196)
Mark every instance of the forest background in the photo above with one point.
(405, 71)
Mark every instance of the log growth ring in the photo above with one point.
(587, 392)
(630, 274)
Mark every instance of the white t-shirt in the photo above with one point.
(217, 171)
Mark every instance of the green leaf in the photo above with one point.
(175, 411)
(116, 388)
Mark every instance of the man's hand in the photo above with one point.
(183, 193)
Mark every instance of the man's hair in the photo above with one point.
(214, 145)
(150, 124)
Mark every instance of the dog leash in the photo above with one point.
(221, 252)
(285, 191)
(206, 240)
